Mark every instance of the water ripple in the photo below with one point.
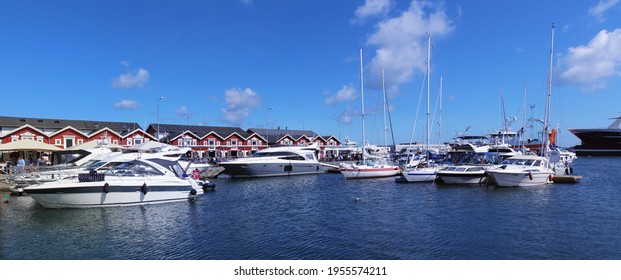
(327, 217)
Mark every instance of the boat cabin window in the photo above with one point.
(272, 154)
(293, 157)
(178, 171)
(310, 156)
(133, 168)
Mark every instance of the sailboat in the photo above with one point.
(425, 172)
(366, 169)
(528, 170)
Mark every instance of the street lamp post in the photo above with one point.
(158, 117)
(267, 130)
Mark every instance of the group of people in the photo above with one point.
(20, 164)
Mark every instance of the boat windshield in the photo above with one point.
(273, 154)
(133, 168)
(520, 161)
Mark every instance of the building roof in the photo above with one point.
(276, 134)
(199, 130)
(57, 124)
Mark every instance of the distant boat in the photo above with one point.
(599, 141)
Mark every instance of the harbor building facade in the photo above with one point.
(213, 142)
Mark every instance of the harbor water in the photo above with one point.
(325, 217)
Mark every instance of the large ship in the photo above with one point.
(599, 141)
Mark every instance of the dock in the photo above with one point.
(566, 179)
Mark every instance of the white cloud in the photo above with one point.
(239, 103)
(348, 92)
(401, 42)
(592, 65)
(127, 104)
(182, 111)
(372, 8)
(131, 80)
(598, 11)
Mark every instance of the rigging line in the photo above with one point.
(392, 134)
(420, 97)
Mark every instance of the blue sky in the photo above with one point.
(226, 63)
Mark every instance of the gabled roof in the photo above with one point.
(277, 134)
(139, 130)
(68, 128)
(172, 137)
(40, 123)
(222, 131)
(27, 126)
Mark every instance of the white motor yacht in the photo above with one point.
(135, 182)
(276, 161)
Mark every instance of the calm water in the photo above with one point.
(327, 217)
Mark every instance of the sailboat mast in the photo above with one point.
(440, 117)
(503, 117)
(523, 129)
(428, 79)
(385, 127)
(546, 117)
(362, 97)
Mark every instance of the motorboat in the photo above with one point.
(72, 163)
(469, 171)
(78, 161)
(521, 170)
(462, 174)
(423, 173)
(276, 161)
(134, 182)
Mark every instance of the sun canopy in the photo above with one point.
(28, 145)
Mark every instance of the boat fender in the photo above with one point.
(566, 171)
(144, 189)
(192, 192)
(571, 170)
(550, 178)
(530, 175)
(106, 188)
(207, 186)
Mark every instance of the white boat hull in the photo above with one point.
(363, 172)
(420, 175)
(270, 169)
(501, 178)
(462, 178)
(110, 193)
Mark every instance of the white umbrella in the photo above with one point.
(28, 145)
